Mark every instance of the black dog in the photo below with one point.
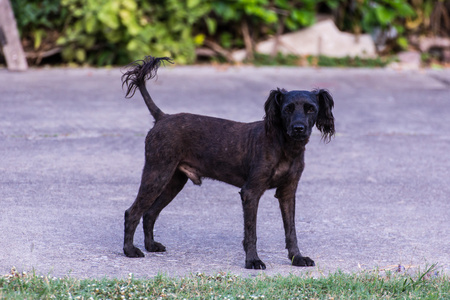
(252, 156)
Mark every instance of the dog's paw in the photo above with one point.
(256, 264)
(302, 261)
(155, 247)
(133, 252)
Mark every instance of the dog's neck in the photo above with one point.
(289, 147)
(293, 148)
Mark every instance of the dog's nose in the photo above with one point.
(298, 129)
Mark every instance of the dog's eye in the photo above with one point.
(289, 109)
(309, 109)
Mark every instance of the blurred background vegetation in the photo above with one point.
(115, 32)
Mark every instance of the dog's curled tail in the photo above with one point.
(137, 74)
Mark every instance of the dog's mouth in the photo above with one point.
(299, 137)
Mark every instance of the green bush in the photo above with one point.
(263, 17)
(106, 32)
(39, 21)
(383, 15)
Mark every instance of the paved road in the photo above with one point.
(71, 154)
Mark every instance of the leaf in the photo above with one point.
(105, 58)
(89, 42)
(38, 34)
(384, 15)
(211, 24)
(78, 27)
(125, 16)
(268, 16)
(403, 43)
(91, 23)
(193, 3)
(226, 11)
(113, 37)
(67, 53)
(199, 39)
(133, 28)
(333, 4)
(129, 4)
(291, 24)
(282, 4)
(61, 41)
(108, 16)
(226, 40)
(80, 55)
(303, 17)
(133, 45)
(403, 8)
(78, 12)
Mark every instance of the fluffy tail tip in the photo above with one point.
(141, 70)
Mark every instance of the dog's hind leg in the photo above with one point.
(154, 181)
(175, 185)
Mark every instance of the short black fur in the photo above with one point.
(255, 157)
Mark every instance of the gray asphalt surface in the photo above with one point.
(72, 151)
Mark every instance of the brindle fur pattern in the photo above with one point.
(255, 157)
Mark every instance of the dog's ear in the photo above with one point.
(325, 119)
(272, 119)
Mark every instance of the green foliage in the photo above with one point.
(369, 15)
(264, 17)
(37, 13)
(385, 14)
(236, 10)
(118, 31)
(35, 18)
(105, 32)
(294, 14)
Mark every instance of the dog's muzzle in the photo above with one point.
(298, 132)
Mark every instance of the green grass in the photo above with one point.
(320, 61)
(365, 285)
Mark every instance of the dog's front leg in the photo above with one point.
(286, 198)
(250, 201)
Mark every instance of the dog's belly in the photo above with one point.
(219, 171)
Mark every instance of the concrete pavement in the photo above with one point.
(71, 155)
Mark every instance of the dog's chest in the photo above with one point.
(281, 170)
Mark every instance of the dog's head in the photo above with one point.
(296, 112)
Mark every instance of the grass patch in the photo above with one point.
(366, 285)
(320, 61)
